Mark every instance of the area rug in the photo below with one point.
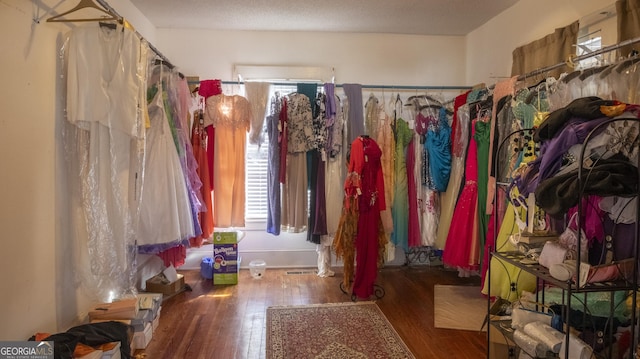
(353, 330)
(459, 307)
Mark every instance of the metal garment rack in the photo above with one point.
(380, 87)
(572, 58)
(120, 18)
(153, 48)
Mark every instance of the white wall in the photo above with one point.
(27, 103)
(380, 59)
(490, 47)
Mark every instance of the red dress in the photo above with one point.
(461, 249)
(365, 180)
(199, 144)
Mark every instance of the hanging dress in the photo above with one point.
(335, 171)
(316, 169)
(437, 170)
(231, 117)
(299, 140)
(413, 183)
(482, 136)
(165, 212)
(199, 144)
(400, 208)
(370, 240)
(104, 124)
(273, 171)
(462, 249)
(504, 274)
(387, 143)
(460, 139)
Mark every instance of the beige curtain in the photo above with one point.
(549, 50)
(628, 12)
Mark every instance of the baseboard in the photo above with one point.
(291, 258)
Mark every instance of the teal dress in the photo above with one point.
(400, 207)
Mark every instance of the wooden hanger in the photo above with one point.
(82, 5)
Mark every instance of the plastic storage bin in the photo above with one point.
(257, 268)
(206, 268)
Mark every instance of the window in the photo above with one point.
(256, 163)
(589, 44)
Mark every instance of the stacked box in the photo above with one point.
(151, 302)
(124, 309)
(113, 353)
(141, 339)
(225, 258)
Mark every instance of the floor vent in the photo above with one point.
(302, 272)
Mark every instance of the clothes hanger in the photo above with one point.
(571, 76)
(622, 66)
(426, 97)
(109, 16)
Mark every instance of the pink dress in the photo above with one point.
(462, 249)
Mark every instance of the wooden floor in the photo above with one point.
(225, 322)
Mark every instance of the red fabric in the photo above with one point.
(174, 255)
(352, 184)
(365, 158)
(210, 88)
(458, 102)
(211, 142)
(413, 231)
(205, 217)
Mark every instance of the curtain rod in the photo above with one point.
(153, 48)
(573, 58)
(392, 87)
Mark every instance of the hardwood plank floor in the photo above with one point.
(225, 322)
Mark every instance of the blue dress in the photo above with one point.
(438, 147)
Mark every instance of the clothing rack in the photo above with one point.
(113, 12)
(572, 58)
(153, 48)
(381, 87)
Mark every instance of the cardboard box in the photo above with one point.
(225, 258)
(502, 351)
(157, 285)
(120, 309)
(151, 301)
(156, 322)
(501, 346)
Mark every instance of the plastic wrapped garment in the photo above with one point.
(103, 139)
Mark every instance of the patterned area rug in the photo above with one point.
(353, 330)
(458, 307)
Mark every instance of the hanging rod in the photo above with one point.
(153, 48)
(573, 58)
(392, 87)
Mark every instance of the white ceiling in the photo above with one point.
(422, 17)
